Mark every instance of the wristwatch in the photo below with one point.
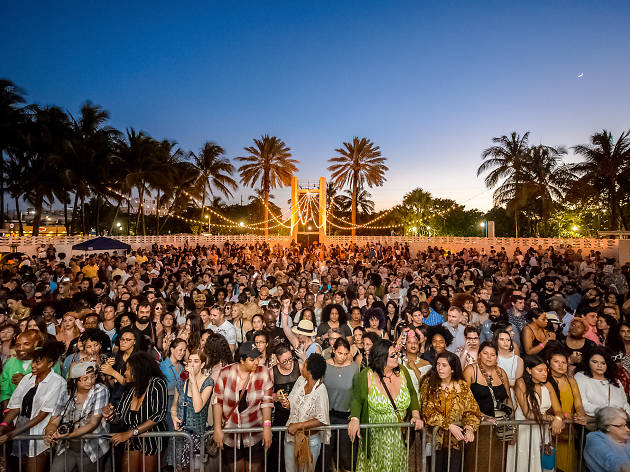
(136, 432)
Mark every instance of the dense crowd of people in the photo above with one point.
(209, 340)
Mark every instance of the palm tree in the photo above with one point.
(184, 176)
(167, 156)
(605, 171)
(11, 117)
(358, 163)
(89, 166)
(269, 163)
(14, 172)
(48, 132)
(214, 172)
(506, 160)
(138, 155)
(365, 205)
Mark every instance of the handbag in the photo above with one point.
(302, 454)
(211, 446)
(547, 453)
(502, 413)
(389, 395)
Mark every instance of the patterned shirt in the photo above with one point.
(441, 408)
(96, 399)
(433, 319)
(259, 396)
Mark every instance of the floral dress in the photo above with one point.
(388, 451)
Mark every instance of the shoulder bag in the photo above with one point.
(389, 395)
(502, 413)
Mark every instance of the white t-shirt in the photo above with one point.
(226, 330)
(45, 400)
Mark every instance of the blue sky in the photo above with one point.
(430, 82)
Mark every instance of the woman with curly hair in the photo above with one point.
(218, 354)
(333, 316)
(375, 322)
(438, 339)
(383, 393)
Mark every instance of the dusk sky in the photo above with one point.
(429, 82)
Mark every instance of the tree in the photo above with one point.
(137, 152)
(214, 172)
(364, 202)
(11, 119)
(604, 172)
(89, 165)
(358, 163)
(268, 162)
(506, 160)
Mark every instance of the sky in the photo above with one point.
(431, 83)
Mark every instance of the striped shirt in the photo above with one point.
(259, 396)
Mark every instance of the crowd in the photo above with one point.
(207, 340)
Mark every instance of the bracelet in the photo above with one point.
(4, 424)
(558, 418)
(267, 423)
(542, 345)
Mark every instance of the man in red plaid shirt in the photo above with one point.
(243, 399)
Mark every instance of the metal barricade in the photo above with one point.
(422, 454)
(108, 457)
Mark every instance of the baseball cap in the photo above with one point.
(79, 369)
(249, 350)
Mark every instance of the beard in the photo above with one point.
(144, 319)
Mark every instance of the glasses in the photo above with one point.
(622, 425)
(393, 355)
(472, 339)
(286, 361)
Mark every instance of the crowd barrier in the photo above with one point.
(421, 451)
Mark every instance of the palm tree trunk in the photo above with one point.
(157, 213)
(516, 223)
(38, 214)
(65, 214)
(354, 206)
(138, 212)
(266, 209)
(83, 225)
(74, 213)
(98, 214)
(129, 214)
(19, 215)
(2, 215)
(111, 228)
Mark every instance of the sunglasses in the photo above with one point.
(393, 356)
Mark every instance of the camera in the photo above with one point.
(65, 428)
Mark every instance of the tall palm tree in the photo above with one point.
(506, 160)
(167, 156)
(90, 165)
(268, 163)
(214, 172)
(137, 152)
(49, 130)
(605, 171)
(184, 176)
(358, 163)
(14, 172)
(11, 118)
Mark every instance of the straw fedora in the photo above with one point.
(305, 328)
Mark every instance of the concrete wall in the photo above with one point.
(620, 249)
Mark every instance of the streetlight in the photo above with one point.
(241, 224)
(208, 218)
(575, 228)
(310, 227)
(414, 229)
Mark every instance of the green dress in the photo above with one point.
(388, 451)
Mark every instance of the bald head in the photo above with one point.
(26, 343)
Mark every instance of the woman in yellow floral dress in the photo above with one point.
(446, 402)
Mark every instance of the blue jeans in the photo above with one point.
(289, 453)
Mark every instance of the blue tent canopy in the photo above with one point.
(101, 244)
